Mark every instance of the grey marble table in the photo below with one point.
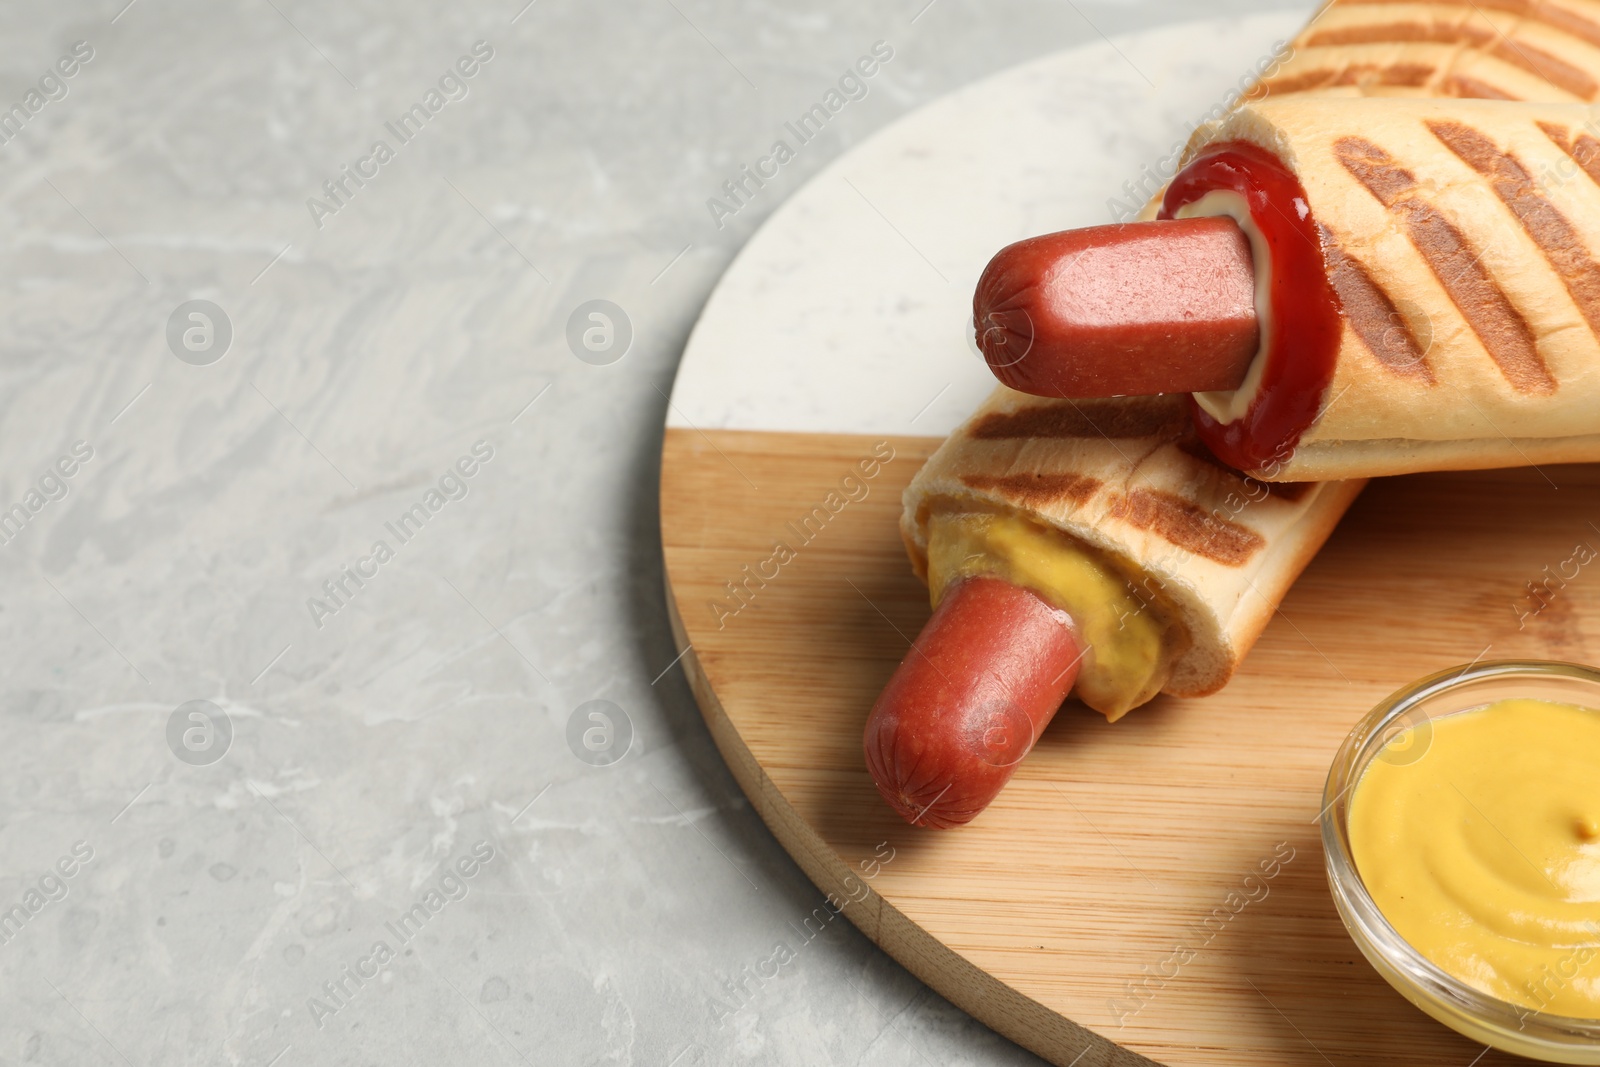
(318, 541)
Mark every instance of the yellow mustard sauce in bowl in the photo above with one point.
(1477, 835)
(1459, 834)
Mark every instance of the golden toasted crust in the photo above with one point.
(1538, 50)
(1128, 478)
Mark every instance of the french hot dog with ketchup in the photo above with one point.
(1348, 287)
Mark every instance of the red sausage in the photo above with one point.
(983, 679)
(1126, 310)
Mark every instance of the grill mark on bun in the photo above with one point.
(1535, 61)
(1413, 75)
(1542, 64)
(1541, 219)
(1188, 526)
(1034, 489)
(1505, 334)
(1298, 83)
(1400, 33)
(1473, 89)
(1410, 75)
(1540, 11)
(1569, 22)
(1375, 169)
(1155, 417)
(1373, 315)
(1585, 151)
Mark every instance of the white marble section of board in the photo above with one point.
(849, 311)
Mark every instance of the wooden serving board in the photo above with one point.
(1114, 845)
(1151, 890)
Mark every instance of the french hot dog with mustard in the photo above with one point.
(1088, 546)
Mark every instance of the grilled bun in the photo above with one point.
(1463, 240)
(1129, 478)
(1539, 50)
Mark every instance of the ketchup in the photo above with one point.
(1302, 346)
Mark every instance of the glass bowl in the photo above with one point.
(1479, 1016)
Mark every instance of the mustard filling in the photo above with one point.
(1124, 634)
(1479, 840)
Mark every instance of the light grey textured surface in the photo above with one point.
(376, 743)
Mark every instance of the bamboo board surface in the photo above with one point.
(1093, 912)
